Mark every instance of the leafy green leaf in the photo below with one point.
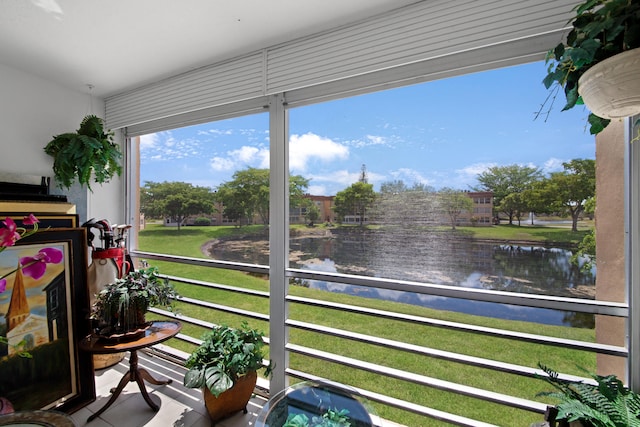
(597, 123)
(194, 378)
(90, 152)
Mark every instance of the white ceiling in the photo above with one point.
(116, 45)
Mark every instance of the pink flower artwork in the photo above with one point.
(9, 234)
(35, 266)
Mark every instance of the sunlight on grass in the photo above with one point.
(190, 240)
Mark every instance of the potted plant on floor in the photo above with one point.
(599, 56)
(120, 307)
(87, 153)
(607, 404)
(225, 367)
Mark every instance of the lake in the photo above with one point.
(438, 258)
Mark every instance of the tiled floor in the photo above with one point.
(179, 406)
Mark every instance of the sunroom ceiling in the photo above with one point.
(118, 45)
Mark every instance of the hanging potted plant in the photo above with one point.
(85, 154)
(598, 64)
(120, 307)
(225, 367)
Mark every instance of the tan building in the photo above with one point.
(323, 203)
(482, 208)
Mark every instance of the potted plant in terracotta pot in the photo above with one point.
(598, 63)
(120, 308)
(225, 367)
(87, 153)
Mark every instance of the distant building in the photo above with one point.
(482, 208)
(324, 204)
(424, 208)
(482, 213)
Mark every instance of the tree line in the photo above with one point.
(517, 190)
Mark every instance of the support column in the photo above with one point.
(278, 239)
(632, 228)
(610, 241)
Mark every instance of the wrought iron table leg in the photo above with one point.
(139, 375)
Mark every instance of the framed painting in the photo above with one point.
(46, 220)
(44, 305)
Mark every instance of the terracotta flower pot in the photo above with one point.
(611, 88)
(231, 401)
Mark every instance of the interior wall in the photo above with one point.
(32, 111)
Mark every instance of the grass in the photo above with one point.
(513, 233)
(188, 242)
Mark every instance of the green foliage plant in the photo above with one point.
(607, 404)
(202, 221)
(331, 418)
(354, 200)
(601, 29)
(225, 355)
(88, 152)
(175, 200)
(121, 305)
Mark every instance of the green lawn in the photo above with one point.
(188, 242)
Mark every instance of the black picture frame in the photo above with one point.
(57, 375)
(46, 220)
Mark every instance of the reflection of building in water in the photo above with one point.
(21, 323)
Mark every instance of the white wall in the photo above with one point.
(32, 111)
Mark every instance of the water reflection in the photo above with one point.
(439, 258)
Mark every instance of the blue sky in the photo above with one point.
(440, 133)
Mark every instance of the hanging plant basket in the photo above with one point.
(611, 88)
(85, 154)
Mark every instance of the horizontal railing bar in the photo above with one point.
(225, 308)
(513, 298)
(229, 265)
(193, 321)
(182, 318)
(477, 393)
(501, 333)
(401, 404)
(219, 286)
(189, 339)
(431, 352)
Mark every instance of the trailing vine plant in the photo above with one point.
(88, 152)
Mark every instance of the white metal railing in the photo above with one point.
(567, 304)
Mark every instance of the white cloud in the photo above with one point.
(149, 142)
(162, 146)
(370, 140)
(552, 165)
(474, 169)
(342, 177)
(215, 132)
(221, 164)
(410, 176)
(318, 190)
(376, 140)
(307, 147)
(245, 156)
